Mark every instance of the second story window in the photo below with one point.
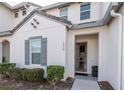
(16, 14)
(64, 13)
(85, 11)
(24, 12)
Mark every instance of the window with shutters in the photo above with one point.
(35, 51)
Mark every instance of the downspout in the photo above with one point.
(114, 14)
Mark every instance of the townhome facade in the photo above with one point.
(76, 35)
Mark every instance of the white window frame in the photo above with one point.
(87, 10)
(35, 52)
(66, 15)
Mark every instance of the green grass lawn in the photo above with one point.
(3, 87)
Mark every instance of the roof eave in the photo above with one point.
(5, 33)
(105, 20)
(18, 6)
(57, 19)
(55, 5)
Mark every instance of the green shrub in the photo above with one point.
(54, 74)
(15, 73)
(33, 74)
(5, 67)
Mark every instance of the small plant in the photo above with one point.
(54, 74)
(4, 60)
(33, 74)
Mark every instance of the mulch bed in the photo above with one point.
(105, 85)
(65, 85)
(11, 84)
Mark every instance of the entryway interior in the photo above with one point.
(6, 50)
(86, 56)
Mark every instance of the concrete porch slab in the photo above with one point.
(85, 83)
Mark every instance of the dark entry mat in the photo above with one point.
(83, 74)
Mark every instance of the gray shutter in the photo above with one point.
(0, 51)
(27, 52)
(44, 51)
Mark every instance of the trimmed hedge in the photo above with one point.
(15, 73)
(9, 70)
(32, 74)
(5, 67)
(55, 74)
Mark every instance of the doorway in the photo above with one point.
(86, 54)
(6, 50)
(81, 57)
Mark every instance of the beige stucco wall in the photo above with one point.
(59, 39)
(74, 12)
(104, 7)
(108, 48)
(122, 83)
(113, 53)
(109, 55)
(53, 31)
(71, 46)
(20, 16)
(6, 19)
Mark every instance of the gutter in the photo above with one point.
(6, 33)
(120, 53)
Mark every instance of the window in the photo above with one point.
(24, 12)
(16, 15)
(36, 51)
(64, 13)
(85, 11)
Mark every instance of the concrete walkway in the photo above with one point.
(85, 83)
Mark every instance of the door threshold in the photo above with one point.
(81, 73)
